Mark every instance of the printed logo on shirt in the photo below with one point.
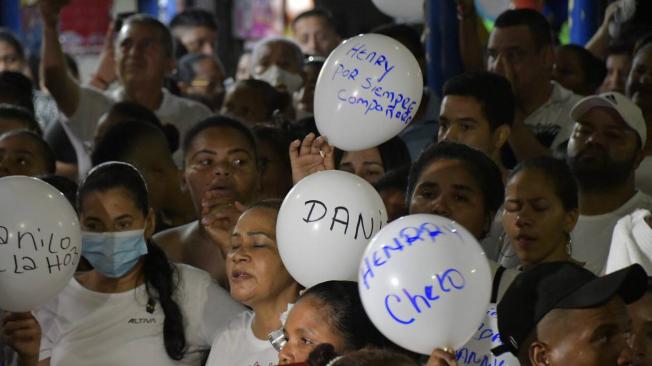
(142, 321)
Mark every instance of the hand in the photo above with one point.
(105, 72)
(219, 220)
(22, 333)
(311, 155)
(50, 10)
(609, 13)
(440, 357)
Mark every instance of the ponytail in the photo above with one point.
(161, 285)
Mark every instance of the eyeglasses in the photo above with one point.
(277, 339)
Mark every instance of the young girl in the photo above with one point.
(135, 307)
(330, 312)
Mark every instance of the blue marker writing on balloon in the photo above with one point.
(407, 237)
(486, 332)
(361, 53)
(400, 107)
(467, 357)
(391, 313)
(348, 74)
(446, 282)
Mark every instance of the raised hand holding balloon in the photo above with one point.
(368, 91)
(324, 225)
(425, 283)
(40, 242)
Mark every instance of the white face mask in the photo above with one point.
(281, 79)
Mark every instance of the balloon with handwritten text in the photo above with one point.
(40, 242)
(368, 91)
(406, 10)
(477, 351)
(425, 283)
(324, 225)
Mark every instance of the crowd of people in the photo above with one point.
(178, 170)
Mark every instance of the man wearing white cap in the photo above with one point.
(604, 150)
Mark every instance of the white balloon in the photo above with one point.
(425, 283)
(368, 91)
(477, 351)
(40, 242)
(407, 10)
(324, 225)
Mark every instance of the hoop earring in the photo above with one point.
(569, 245)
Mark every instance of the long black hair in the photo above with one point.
(159, 274)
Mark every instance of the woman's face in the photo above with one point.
(447, 188)
(111, 211)
(253, 265)
(307, 326)
(10, 60)
(366, 164)
(220, 162)
(535, 219)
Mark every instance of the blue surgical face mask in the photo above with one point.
(113, 254)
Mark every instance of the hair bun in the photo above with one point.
(322, 355)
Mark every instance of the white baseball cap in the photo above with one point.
(626, 109)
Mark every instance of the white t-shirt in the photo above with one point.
(644, 176)
(591, 237)
(80, 127)
(631, 243)
(81, 327)
(551, 122)
(236, 345)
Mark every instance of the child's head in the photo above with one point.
(23, 152)
(330, 312)
(252, 101)
(15, 117)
